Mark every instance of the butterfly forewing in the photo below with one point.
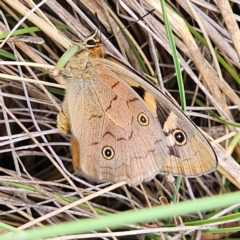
(194, 157)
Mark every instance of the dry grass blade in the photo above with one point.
(37, 183)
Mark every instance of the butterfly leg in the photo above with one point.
(75, 152)
(63, 123)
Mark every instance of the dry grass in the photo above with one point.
(36, 169)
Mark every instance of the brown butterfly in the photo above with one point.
(124, 128)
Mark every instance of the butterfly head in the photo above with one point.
(94, 45)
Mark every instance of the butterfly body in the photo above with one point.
(123, 128)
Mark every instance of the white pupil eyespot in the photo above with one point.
(108, 153)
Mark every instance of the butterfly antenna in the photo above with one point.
(98, 32)
(140, 18)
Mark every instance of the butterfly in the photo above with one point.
(122, 127)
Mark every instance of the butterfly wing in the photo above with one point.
(115, 135)
(190, 154)
(123, 128)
